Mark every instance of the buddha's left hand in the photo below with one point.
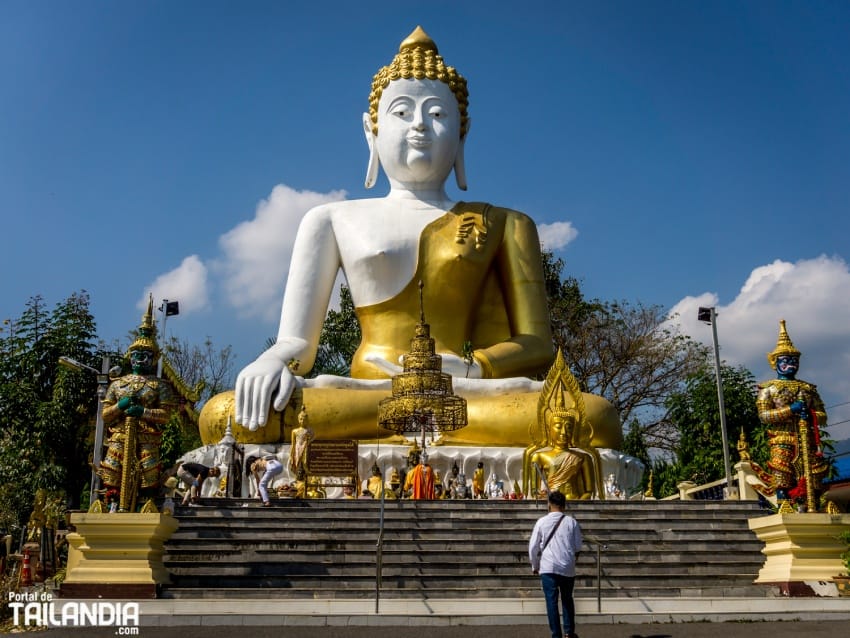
(456, 366)
(384, 365)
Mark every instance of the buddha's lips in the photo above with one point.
(419, 142)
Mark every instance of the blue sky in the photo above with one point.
(699, 151)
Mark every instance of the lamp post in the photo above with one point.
(168, 309)
(708, 315)
(102, 383)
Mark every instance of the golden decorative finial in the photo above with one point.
(418, 38)
(147, 318)
(783, 346)
(558, 385)
(418, 59)
(421, 303)
(147, 333)
(149, 507)
(559, 399)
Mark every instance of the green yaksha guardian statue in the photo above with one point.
(794, 414)
(135, 408)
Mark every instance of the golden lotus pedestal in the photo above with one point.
(117, 555)
(802, 551)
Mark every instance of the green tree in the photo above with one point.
(339, 340)
(204, 366)
(48, 411)
(204, 369)
(697, 448)
(625, 352)
(569, 311)
(635, 445)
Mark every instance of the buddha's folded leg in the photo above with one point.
(345, 413)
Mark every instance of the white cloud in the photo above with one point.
(813, 296)
(556, 235)
(187, 284)
(252, 270)
(257, 252)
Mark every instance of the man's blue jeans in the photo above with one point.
(556, 586)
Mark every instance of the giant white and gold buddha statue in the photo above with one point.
(480, 266)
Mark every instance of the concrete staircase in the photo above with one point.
(456, 549)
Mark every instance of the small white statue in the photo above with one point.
(460, 489)
(612, 490)
(495, 488)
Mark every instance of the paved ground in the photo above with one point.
(677, 630)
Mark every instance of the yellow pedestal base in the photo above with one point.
(117, 553)
(800, 547)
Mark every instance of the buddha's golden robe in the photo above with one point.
(566, 474)
(482, 276)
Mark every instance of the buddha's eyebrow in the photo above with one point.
(406, 100)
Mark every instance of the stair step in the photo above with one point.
(307, 549)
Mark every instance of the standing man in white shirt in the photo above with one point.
(553, 550)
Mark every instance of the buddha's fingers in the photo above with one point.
(239, 408)
(259, 404)
(285, 388)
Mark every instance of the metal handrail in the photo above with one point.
(379, 553)
(542, 478)
(594, 540)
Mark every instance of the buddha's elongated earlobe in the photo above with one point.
(460, 165)
(460, 169)
(374, 160)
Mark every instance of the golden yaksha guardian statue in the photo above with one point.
(794, 414)
(134, 409)
(480, 265)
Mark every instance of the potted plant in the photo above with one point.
(842, 581)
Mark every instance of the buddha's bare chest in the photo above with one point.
(386, 246)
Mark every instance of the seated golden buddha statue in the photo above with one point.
(560, 455)
(480, 266)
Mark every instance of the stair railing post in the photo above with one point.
(379, 553)
(598, 578)
(593, 540)
(542, 477)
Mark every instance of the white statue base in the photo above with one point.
(622, 473)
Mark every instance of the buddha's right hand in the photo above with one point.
(254, 387)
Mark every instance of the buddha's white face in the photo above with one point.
(418, 132)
